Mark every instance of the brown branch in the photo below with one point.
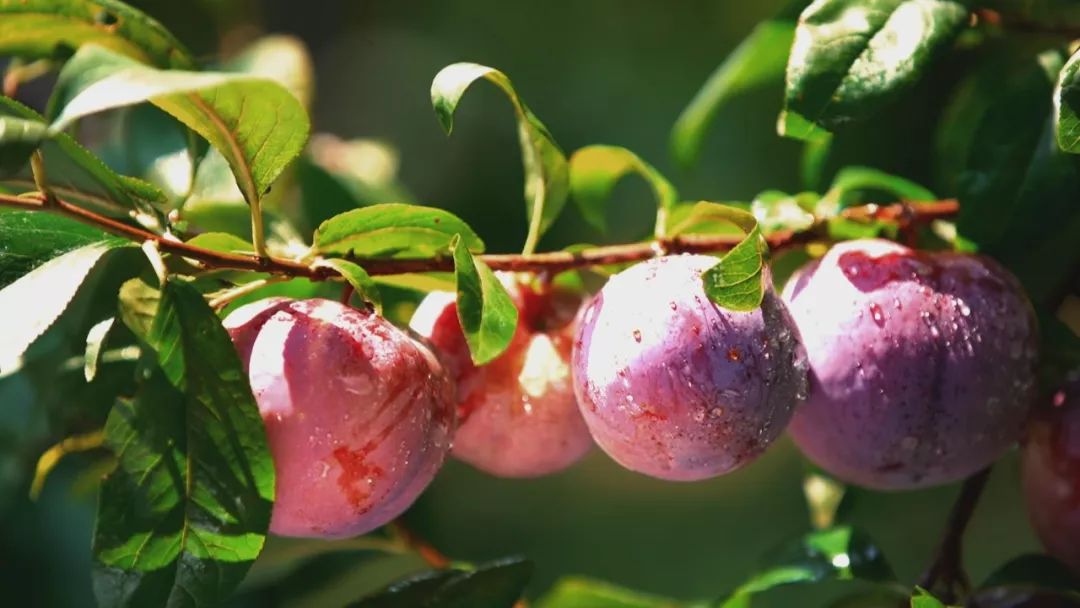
(903, 214)
(947, 567)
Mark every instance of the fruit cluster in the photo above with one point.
(890, 368)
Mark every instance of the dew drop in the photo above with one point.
(637, 335)
(877, 315)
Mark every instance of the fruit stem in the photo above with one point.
(902, 214)
(947, 567)
(410, 539)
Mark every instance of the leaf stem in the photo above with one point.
(258, 233)
(947, 567)
(902, 214)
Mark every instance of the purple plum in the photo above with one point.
(517, 414)
(358, 414)
(1051, 472)
(922, 365)
(672, 385)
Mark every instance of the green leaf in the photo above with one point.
(775, 210)
(42, 295)
(1034, 572)
(19, 137)
(256, 125)
(841, 553)
(393, 230)
(28, 239)
(79, 177)
(365, 287)
(851, 185)
(736, 281)
(419, 281)
(850, 57)
(577, 592)
(546, 172)
(138, 306)
(221, 241)
(1067, 106)
(758, 60)
(997, 153)
(594, 171)
(95, 344)
(496, 584)
(48, 28)
(186, 511)
(488, 316)
(923, 599)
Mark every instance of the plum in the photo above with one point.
(673, 386)
(517, 414)
(358, 414)
(922, 365)
(1051, 473)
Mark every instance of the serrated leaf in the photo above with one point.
(256, 125)
(850, 57)
(28, 239)
(594, 171)
(758, 60)
(575, 592)
(30, 305)
(358, 278)
(1067, 106)
(841, 553)
(185, 513)
(78, 176)
(736, 281)
(488, 316)
(393, 230)
(496, 584)
(47, 28)
(546, 172)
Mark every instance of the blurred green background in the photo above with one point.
(595, 72)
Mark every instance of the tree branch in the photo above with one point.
(904, 215)
(947, 567)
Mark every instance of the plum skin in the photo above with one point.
(675, 387)
(517, 414)
(1051, 475)
(922, 365)
(359, 416)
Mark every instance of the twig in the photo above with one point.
(947, 566)
(903, 214)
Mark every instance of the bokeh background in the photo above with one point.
(602, 71)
